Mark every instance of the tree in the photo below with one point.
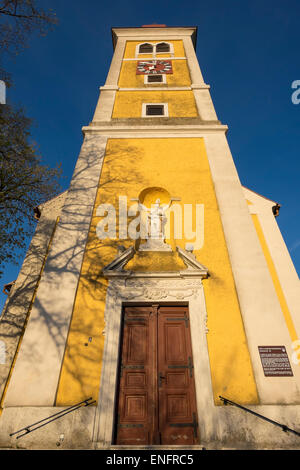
(24, 181)
(18, 19)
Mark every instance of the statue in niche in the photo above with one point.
(155, 225)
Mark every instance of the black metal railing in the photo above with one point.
(51, 418)
(282, 426)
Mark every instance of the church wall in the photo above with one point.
(129, 78)
(260, 306)
(38, 366)
(275, 279)
(164, 163)
(130, 50)
(249, 297)
(281, 268)
(18, 306)
(128, 104)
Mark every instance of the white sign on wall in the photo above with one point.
(2, 92)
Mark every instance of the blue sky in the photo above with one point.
(248, 53)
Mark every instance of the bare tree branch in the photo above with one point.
(24, 183)
(18, 20)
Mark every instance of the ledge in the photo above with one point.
(163, 86)
(162, 125)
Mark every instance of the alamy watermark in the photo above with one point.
(296, 94)
(155, 223)
(296, 353)
(2, 92)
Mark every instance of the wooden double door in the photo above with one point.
(156, 396)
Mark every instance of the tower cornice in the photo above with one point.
(152, 33)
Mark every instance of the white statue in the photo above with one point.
(156, 222)
(157, 219)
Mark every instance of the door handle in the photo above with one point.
(160, 378)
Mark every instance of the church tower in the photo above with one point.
(157, 289)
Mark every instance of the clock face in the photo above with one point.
(153, 67)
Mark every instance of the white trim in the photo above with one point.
(171, 51)
(151, 34)
(194, 68)
(144, 110)
(178, 88)
(137, 47)
(109, 88)
(164, 88)
(115, 66)
(154, 52)
(200, 86)
(146, 76)
(126, 131)
(151, 58)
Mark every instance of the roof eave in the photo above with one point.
(193, 36)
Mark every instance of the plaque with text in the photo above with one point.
(275, 361)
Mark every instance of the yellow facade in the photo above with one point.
(131, 49)
(180, 166)
(199, 255)
(179, 78)
(128, 104)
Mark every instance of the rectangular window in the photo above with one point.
(154, 109)
(155, 79)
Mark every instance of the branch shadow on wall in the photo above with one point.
(80, 372)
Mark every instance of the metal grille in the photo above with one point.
(145, 48)
(154, 78)
(154, 110)
(162, 47)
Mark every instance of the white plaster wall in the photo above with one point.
(76, 428)
(38, 366)
(260, 308)
(281, 258)
(106, 100)
(18, 303)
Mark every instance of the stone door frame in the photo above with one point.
(147, 288)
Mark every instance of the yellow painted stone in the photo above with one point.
(180, 167)
(128, 104)
(129, 79)
(131, 47)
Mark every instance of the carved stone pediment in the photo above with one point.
(116, 268)
(191, 262)
(117, 265)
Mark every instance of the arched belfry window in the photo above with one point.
(146, 48)
(162, 47)
(153, 49)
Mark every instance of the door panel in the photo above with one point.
(135, 408)
(177, 400)
(157, 403)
